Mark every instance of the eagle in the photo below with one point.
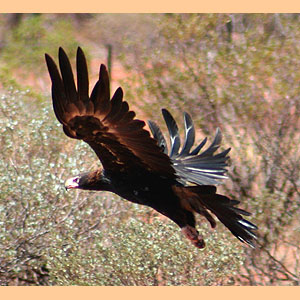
(176, 181)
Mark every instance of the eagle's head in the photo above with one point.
(95, 180)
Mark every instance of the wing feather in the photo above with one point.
(157, 134)
(107, 125)
(82, 78)
(58, 91)
(193, 166)
(101, 95)
(189, 135)
(116, 105)
(67, 75)
(173, 131)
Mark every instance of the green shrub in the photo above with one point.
(35, 34)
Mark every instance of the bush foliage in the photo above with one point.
(239, 72)
(27, 42)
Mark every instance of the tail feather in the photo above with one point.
(231, 216)
(202, 199)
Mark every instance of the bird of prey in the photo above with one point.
(137, 166)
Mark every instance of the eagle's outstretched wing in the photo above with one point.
(107, 125)
(192, 166)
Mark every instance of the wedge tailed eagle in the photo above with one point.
(176, 182)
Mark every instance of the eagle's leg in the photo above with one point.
(186, 221)
(193, 235)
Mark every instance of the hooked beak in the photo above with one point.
(71, 183)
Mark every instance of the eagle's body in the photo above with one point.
(138, 167)
(141, 186)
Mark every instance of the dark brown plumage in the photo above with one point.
(139, 167)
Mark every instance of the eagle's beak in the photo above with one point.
(71, 183)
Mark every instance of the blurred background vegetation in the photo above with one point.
(240, 72)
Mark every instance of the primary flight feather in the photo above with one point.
(177, 182)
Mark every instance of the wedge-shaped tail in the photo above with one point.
(231, 216)
(192, 167)
(205, 201)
